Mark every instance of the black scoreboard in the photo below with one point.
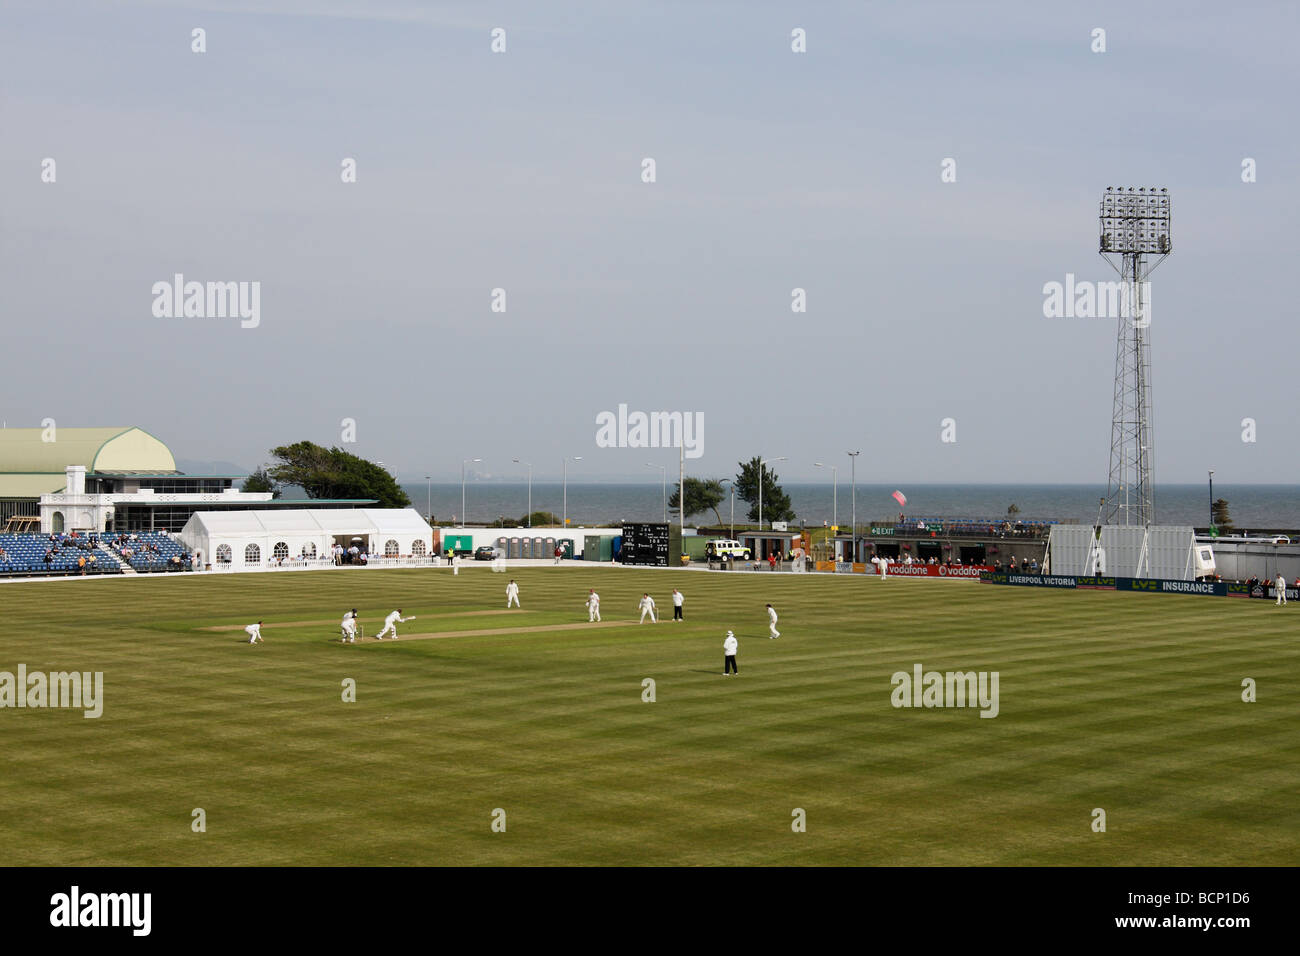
(645, 544)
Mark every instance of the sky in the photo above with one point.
(522, 170)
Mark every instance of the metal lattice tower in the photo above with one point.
(1135, 239)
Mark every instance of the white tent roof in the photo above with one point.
(309, 521)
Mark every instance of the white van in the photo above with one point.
(726, 547)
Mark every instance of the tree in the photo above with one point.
(1219, 515)
(260, 482)
(776, 503)
(539, 519)
(702, 494)
(334, 473)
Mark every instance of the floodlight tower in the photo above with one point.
(1135, 239)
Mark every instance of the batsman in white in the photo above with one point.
(254, 632)
(348, 627)
(593, 606)
(391, 622)
(512, 593)
(772, 632)
(647, 606)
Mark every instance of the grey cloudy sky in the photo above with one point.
(522, 171)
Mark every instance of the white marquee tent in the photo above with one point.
(254, 539)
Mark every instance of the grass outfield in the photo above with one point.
(1128, 702)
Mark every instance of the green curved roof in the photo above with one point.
(24, 450)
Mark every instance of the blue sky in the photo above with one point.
(775, 170)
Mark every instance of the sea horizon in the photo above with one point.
(1263, 506)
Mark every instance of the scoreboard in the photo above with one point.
(645, 544)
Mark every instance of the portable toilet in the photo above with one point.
(516, 551)
(1204, 558)
(567, 545)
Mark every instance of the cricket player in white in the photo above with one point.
(648, 607)
(677, 605)
(593, 606)
(391, 622)
(729, 655)
(254, 632)
(773, 633)
(348, 627)
(512, 594)
(1280, 586)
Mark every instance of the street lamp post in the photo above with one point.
(428, 496)
(464, 521)
(664, 469)
(530, 489)
(566, 488)
(853, 457)
(835, 494)
(761, 465)
(1211, 499)
(728, 481)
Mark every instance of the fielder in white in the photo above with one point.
(677, 605)
(254, 632)
(772, 632)
(391, 622)
(348, 627)
(1280, 586)
(512, 594)
(647, 606)
(593, 606)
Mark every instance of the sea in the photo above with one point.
(1257, 507)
